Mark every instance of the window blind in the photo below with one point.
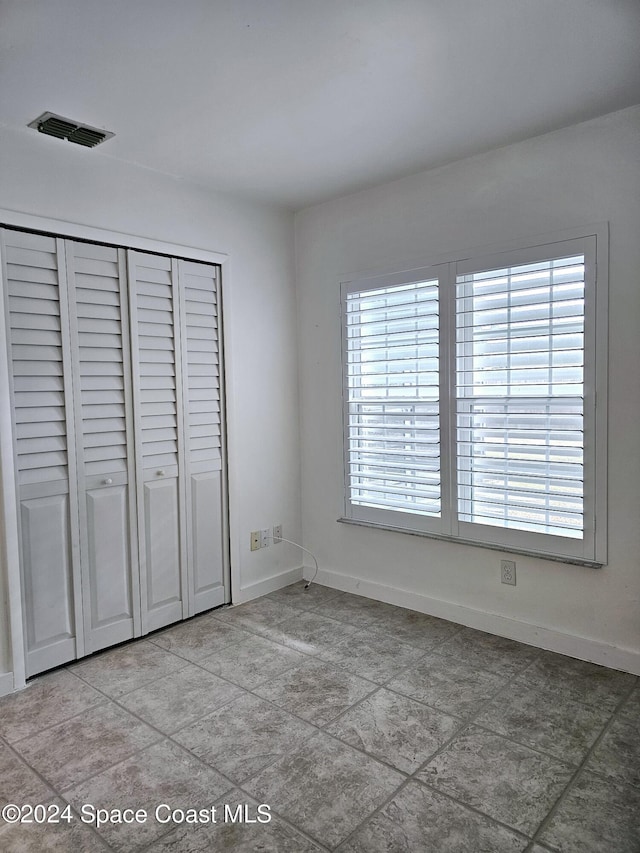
(520, 399)
(392, 386)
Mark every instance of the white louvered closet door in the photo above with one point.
(104, 432)
(206, 555)
(35, 287)
(157, 392)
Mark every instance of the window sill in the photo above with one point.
(557, 558)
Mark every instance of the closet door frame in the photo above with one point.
(14, 678)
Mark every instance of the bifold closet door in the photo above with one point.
(104, 435)
(206, 553)
(35, 289)
(157, 394)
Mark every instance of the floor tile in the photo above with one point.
(257, 615)
(244, 736)
(546, 721)
(595, 816)
(297, 595)
(162, 774)
(251, 662)
(577, 680)
(180, 698)
(416, 629)
(325, 788)
(351, 609)
(63, 837)
(18, 783)
(448, 684)
(123, 669)
(309, 632)
(502, 779)
(617, 756)
(73, 751)
(276, 836)
(45, 701)
(376, 655)
(315, 691)
(419, 819)
(486, 651)
(395, 729)
(198, 637)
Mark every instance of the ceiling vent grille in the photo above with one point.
(64, 128)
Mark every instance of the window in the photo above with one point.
(470, 400)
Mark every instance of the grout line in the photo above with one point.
(465, 723)
(581, 767)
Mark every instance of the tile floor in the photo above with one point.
(364, 727)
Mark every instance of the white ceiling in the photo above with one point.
(296, 101)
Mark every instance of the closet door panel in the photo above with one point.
(101, 355)
(108, 569)
(159, 451)
(206, 545)
(47, 582)
(34, 273)
(163, 602)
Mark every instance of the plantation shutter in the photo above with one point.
(393, 400)
(520, 396)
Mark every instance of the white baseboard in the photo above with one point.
(6, 683)
(271, 584)
(582, 648)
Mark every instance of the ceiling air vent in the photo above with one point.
(64, 128)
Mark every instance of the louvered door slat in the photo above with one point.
(38, 394)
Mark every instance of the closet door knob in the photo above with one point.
(108, 481)
(160, 473)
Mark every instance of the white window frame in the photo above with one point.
(591, 549)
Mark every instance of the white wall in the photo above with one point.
(581, 175)
(49, 178)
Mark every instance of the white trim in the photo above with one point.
(600, 230)
(232, 462)
(7, 684)
(62, 228)
(583, 648)
(263, 587)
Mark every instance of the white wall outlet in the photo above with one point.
(265, 537)
(255, 540)
(508, 572)
(277, 533)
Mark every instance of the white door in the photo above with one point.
(104, 432)
(205, 497)
(35, 289)
(157, 393)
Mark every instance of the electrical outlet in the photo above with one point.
(265, 537)
(277, 533)
(508, 572)
(255, 540)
